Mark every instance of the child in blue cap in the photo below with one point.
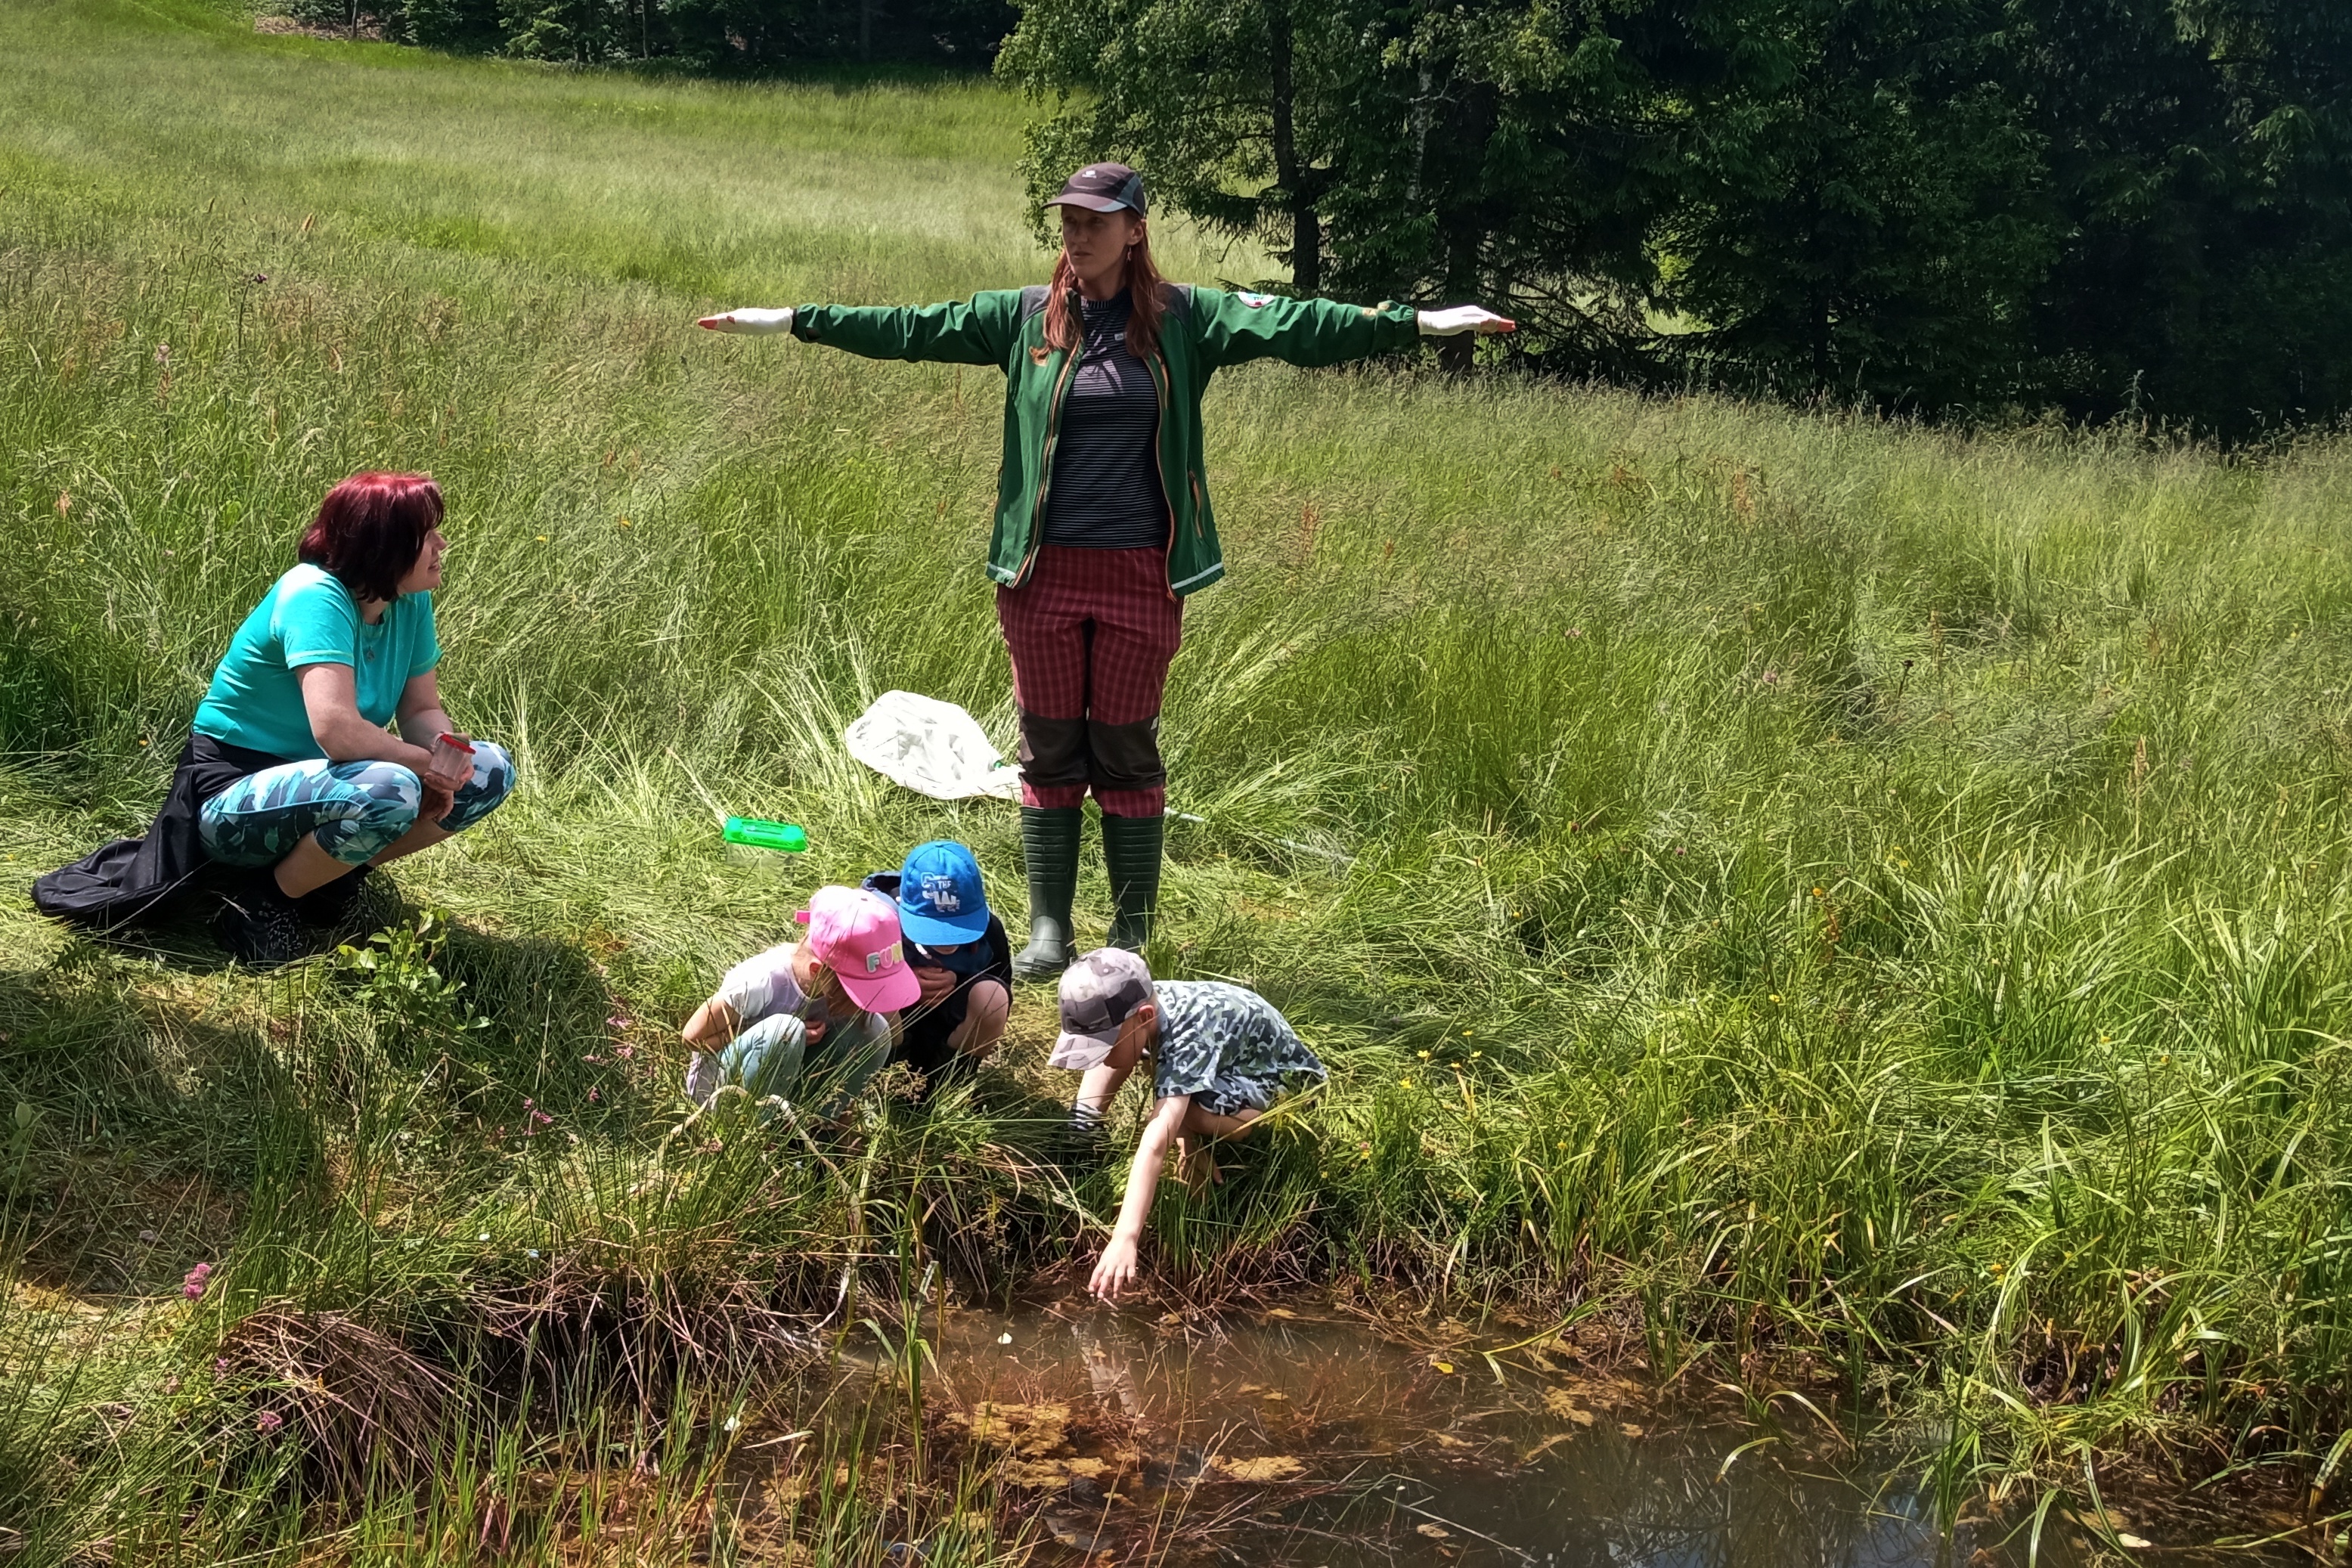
(960, 956)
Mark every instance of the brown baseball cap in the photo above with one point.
(1102, 188)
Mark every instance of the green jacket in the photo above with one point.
(1203, 330)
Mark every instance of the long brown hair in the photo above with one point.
(1146, 305)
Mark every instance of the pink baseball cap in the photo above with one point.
(855, 933)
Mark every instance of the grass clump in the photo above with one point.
(1774, 882)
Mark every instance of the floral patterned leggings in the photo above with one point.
(357, 809)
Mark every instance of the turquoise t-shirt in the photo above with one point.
(308, 617)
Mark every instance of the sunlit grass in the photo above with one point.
(1770, 878)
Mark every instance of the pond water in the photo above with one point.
(1298, 1438)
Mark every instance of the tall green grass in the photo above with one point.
(1770, 881)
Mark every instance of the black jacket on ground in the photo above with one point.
(135, 881)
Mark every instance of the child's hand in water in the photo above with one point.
(1114, 1269)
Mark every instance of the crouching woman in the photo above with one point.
(291, 785)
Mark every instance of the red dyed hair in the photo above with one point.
(370, 531)
(1147, 302)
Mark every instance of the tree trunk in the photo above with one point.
(1470, 126)
(864, 29)
(1306, 226)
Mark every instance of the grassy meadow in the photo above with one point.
(1773, 885)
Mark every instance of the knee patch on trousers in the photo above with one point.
(1053, 750)
(1125, 756)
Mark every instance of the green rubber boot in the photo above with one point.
(1049, 853)
(1131, 847)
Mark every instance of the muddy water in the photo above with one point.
(1295, 1439)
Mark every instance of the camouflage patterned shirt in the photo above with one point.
(1227, 1047)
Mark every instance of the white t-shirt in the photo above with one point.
(763, 985)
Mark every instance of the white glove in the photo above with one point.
(1460, 319)
(760, 322)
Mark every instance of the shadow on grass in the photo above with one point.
(152, 1093)
(143, 1127)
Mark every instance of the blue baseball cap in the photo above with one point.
(939, 900)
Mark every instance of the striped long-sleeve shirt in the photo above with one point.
(1106, 492)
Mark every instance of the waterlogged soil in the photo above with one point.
(1302, 1438)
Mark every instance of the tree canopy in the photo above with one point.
(2100, 206)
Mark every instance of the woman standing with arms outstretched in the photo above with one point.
(1103, 523)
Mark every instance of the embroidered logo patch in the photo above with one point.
(940, 892)
(875, 963)
(1254, 300)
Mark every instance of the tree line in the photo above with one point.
(2106, 208)
(2101, 207)
(714, 36)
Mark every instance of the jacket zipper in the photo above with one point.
(1045, 473)
(1160, 464)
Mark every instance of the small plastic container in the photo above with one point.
(453, 759)
(759, 833)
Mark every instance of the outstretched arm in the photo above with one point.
(978, 331)
(749, 323)
(1456, 320)
(1234, 328)
(1115, 1270)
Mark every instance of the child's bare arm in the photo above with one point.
(714, 1024)
(1115, 1269)
(1099, 1087)
(1203, 1124)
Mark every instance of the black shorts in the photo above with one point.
(924, 1031)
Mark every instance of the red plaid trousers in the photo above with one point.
(1092, 634)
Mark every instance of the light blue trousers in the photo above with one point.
(770, 1056)
(358, 809)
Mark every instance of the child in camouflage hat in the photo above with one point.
(1220, 1058)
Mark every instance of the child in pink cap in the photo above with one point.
(827, 1004)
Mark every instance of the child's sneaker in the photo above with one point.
(702, 1077)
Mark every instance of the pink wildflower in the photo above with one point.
(618, 1022)
(625, 1052)
(269, 1421)
(193, 1286)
